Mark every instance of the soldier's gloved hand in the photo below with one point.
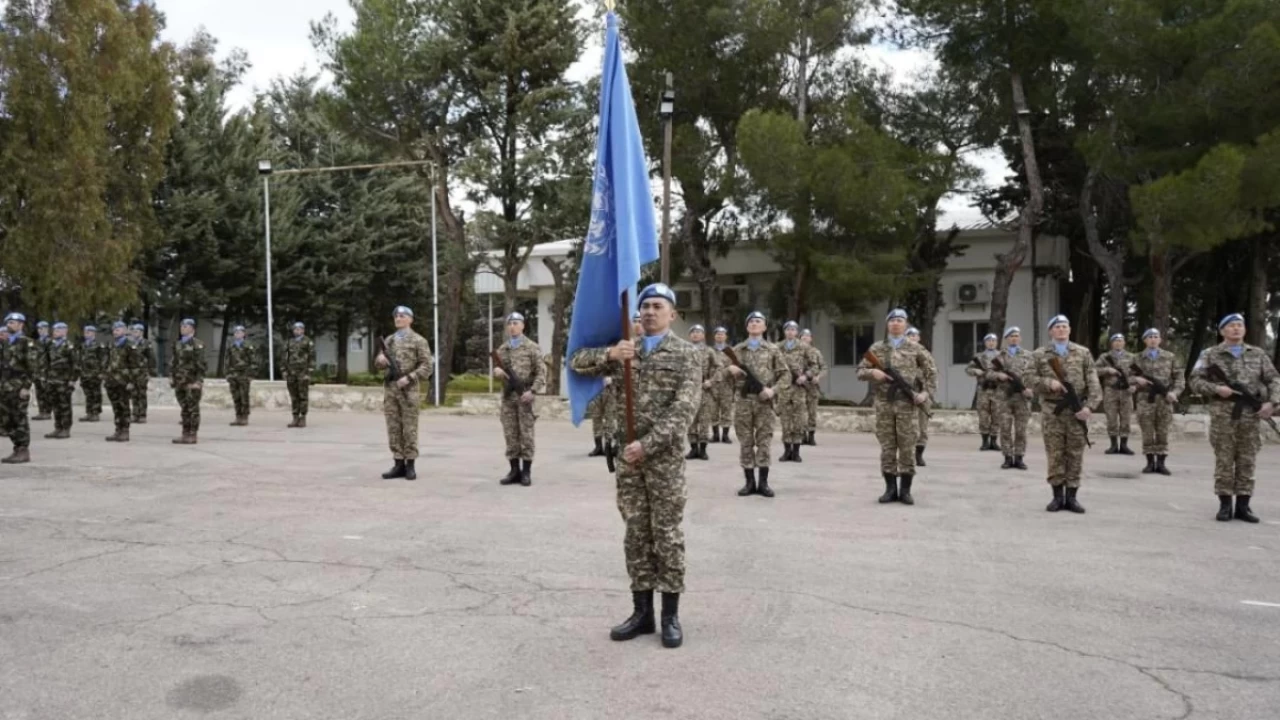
(624, 350)
(608, 381)
(1173, 398)
(1084, 414)
(921, 398)
(633, 453)
(527, 397)
(879, 375)
(381, 362)
(1056, 386)
(1141, 381)
(403, 382)
(802, 380)
(499, 374)
(1224, 391)
(736, 371)
(706, 385)
(766, 394)
(1265, 411)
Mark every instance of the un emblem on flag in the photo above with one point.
(600, 231)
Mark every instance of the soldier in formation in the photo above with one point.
(186, 376)
(1013, 411)
(4, 408)
(402, 398)
(1065, 430)
(299, 362)
(18, 357)
(123, 363)
(897, 409)
(922, 412)
(1117, 394)
(146, 360)
(44, 409)
(813, 389)
(242, 359)
(763, 374)
(62, 370)
(601, 410)
(712, 370)
(93, 363)
(524, 377)
(650, 476)
(724, 393)
(793, 408)
(1156, 369)
(988, 396)
(1243, 387)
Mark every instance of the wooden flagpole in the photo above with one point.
(626, 371)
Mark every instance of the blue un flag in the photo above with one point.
(623, 236)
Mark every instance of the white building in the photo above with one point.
(747, 274)
(209, 331)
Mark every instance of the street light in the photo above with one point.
(264, 169)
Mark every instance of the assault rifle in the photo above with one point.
(1244, 398)
(1122, 381)
(898, 384)
(393, 367)
(1072, 398)
(1155, 388)
(752, 385)
(511, 384)
(1015, 383)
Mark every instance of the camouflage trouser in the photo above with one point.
(1118, 405)
(118, 394)
(92, 388)
(1154, 418)
(793, 413)
(604, 422)
(41, 390)
(189, 403)
(1235, 449)
(988, 400)
(896, 432)
(651, 498)
(60, 402)
(1013, 414)
(299, 388)
(812, 393)
(517, 427)
(138, 396)
(700, 430)
(401, 408)
(922, 426)
(753, 421)
(240, 395)
(4, 417)
(726, 398)
(1063, 446)
(16, 422)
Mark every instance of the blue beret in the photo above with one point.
(658, 290)
(188, 322)
(515, 317)
(806, 331)
(118, 324)
(298, 325)
(402, 310)
(15, 316)
(1233, 317)
(896, 313)
(721, 329)
(1058, 320)
(989, 336)
(913, 330)
(42, 323)
(138, 326)
(791, 324)
(755, 314)
(697, 328)
(90, 329)
(635, 318)
(1151, 332)
(1011, 330)
(238, 328)
(60, 326)
(1117, 336)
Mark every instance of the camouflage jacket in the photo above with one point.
(1165, 368)
(188, 363)
(242, 360)
(668, 391)
(124, 360)
(766, 362)
(61, 362)
(980, 369)
(1253, 369)
(712, 364)
(299, 357)
(18, 358)
(1107, 374)
(412, 354)
(800, 360)
(1015, 366)
(819, 366)
(41, 348)
(146, 357)
(911, 360)
(1080, 372)
(525, 362)
(93, 360)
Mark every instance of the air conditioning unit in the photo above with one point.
(734, 296)
(687, 300)
(977, 293)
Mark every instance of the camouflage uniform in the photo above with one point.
(18, 358)
(123, 361)
(652, 493)
(988, 392)
(412, 354)
(813, 391)
(525, 362)
(1117, 403)
(1156, 414)
(922, 414)
(186, 368)
(1013, 412)
(1235, 442)
(710, 362)
(1064, 438)
(93, 363)
(299, 362)
(142, 377)
(753, 417)
(724, 396)
(896, 414)
(62, 369)
(793, 399)
(604, 420)
(44, 408)
(242, 360)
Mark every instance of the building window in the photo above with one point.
(852, 341)
(966, 340)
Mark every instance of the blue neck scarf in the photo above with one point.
(185, 338)
(89, 343)
(790, 344)
(515, 342)
(896, 341)
(59, 342)
(1236, 350)
(753, 343)
(237, 343)
(298, 338)
(1117, 353)
(1061, 348)
(14, 337)
(651, 342)
(721, 346)
(121, 341)
(1153, 354)
(1013, 349)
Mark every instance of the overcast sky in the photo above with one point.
(276, 36)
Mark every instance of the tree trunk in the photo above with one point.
(699, 259)
(344, 333)
(1009, 263)
(1111, 262)
(564, 275)
(452, 280)
(510, 288)
(1161, 288)
(1256, 333)
(1197, 336)
(222, 343)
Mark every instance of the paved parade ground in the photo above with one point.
(270, 573)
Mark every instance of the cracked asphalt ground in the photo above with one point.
(271, 573)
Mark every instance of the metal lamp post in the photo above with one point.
(666, 110)
(264, 169)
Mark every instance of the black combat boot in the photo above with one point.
(904, 495)
(795, 452)
(599, 448)
(641, 620)
(1008, 462)
(410, 472)
(1056, 505)
(1160, 468)
(986, 442)
(1124, 446)
(1115, 446)
(786, 455)
(512, 477)
(724, 436)
(763, 488)
(396, 471)
(1018, 464)
(20, 455)
(693, 450)
(890, 488)
(1151, 464)
(1070, 503)
(672, 635)
(920, 456)
(702, 451)
(1242, 510)
(526, 473)
(610, 456)
(995, 446)
(715, 433)
(1224, 508)
(750, 487)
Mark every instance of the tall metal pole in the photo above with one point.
(489, 325)
(666, 186)
(271, 332)
(435, 287)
